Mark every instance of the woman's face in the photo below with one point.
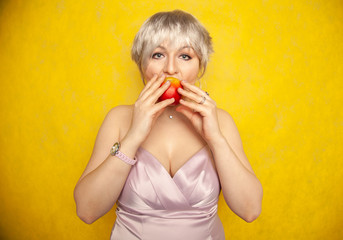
(179, 62)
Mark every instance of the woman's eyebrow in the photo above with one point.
(181, 48)
(161, 47)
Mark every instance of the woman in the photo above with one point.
(166, 163)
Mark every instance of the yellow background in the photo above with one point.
(277, 68)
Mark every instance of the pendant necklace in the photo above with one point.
(171, 114)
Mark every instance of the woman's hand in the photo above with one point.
(147, 109)
(201, 110)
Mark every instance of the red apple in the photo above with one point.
(171, 92)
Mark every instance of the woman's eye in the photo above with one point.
(185, 57)
(157, 55)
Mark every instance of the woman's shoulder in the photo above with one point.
(229, 128)
(227, 123)
(121, 111)
(119, 115)
(118, 120)
(224, 117)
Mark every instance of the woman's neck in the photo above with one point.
(171, 113)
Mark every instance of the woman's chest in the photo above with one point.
(149, 185)
(173, 144)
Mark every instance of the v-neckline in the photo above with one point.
(182, 166)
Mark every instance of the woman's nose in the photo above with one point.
(170, 66)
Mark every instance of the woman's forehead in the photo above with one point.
(174, 45)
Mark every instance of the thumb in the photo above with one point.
(159, 113)
(185, 111)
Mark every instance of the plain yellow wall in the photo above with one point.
(277, 68)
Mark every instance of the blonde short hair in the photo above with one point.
(177, 27)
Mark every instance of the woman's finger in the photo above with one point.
(154, 96)
(160, 105)
(196, 94)
(148, 84)
(195, 106)
(192, 96)
(193, 88)
(154, 85)
(185, 111)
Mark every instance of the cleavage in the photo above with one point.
(173, 144)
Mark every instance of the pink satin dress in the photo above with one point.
(155, 206)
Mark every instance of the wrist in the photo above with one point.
(129, 145)
(115, 151)
(132, 139)
(217, 142)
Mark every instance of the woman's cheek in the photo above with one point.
(192, 76)
(151, 70)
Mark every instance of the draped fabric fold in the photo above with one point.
(154, 206)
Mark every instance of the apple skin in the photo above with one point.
(171, 92)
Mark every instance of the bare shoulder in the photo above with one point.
(120, 112)
(229, 129)
(225, 119)
(114, 126)
(118, 118)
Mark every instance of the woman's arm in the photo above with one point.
(104, 177)
(242, 190)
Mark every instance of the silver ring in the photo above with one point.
(203, 100)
